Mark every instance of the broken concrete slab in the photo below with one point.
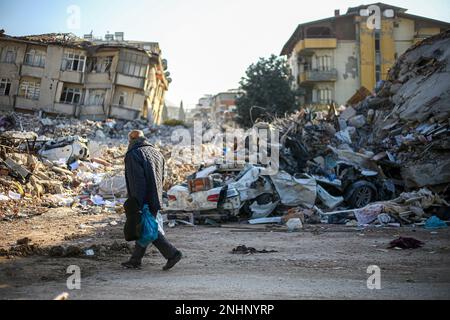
(427, 174)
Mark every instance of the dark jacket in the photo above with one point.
(144, 174)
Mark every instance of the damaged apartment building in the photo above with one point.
(333, 58)
(61, 74)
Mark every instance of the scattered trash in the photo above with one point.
(294, 224)
(435, 223)
(368, 214)
(249, 250)
(14, 196)
(276, 220)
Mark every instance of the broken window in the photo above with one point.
(100, 64)
(35, 58)
(30, 89)
(73, 62)
(123, 98)
(71, 95)
(8, 55)
(133, 64)
(5, 87)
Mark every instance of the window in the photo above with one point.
(325, 96)
(35, 58)
(73, 62)
(5, 87)
(8, 55)
(324, 63)
(133, 64)
(71, 95)
(96, 98)
(100, 64)
(123, 98)
(30, 90)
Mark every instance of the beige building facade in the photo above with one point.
(332, 58)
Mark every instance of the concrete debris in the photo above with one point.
(60, 162)
(294, 224)
(411, 120)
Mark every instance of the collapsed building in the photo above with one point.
(62, 74)
(408, 118)
(382, 158)
(385, 157)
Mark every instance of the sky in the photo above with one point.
(208, 43)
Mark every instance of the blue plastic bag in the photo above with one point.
(435, 223)
(149, 228)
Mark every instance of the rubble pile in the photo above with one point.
(409, 117)
(49, 128)
(54, 162)
(383, 160)
(304, 136)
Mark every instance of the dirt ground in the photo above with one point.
(320, 262)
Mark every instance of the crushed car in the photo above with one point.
(247, 192)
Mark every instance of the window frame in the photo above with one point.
(38, 58)
(4, 55)
(72, 92)
(30, 90)
(325, 95)
(97, 98)
(324, 63)
(72, 59)
(100, 64)
(123, 96)
(133, 64)
(5, 87)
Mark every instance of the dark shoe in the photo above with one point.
(135, 261)
(173, 261)
(132, 265)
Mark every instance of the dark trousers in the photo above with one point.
(162, 244)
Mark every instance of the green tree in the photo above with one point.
(266, 91)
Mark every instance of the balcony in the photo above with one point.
(26, 104)
(124, 112)
(130, 81)
(31, 71)
(104, 79)
(72, 76)
(318, 76)
(316, 43)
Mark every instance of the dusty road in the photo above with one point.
(322, 262)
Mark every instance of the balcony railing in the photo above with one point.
(318, 76)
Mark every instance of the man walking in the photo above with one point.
(144, 174)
